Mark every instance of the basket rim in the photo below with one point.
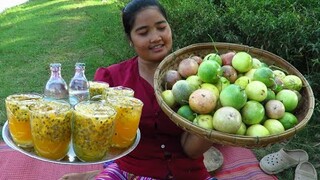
(211, 134)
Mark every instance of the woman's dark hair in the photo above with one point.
(132, 8)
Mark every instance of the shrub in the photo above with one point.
(290, 29)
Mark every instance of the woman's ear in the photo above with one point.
(130, 41)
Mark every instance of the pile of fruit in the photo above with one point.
(233, 92)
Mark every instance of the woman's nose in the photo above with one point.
(155, 37)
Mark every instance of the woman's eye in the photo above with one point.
(143, 33)
(162, 28)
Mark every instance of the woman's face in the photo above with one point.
(151, 35)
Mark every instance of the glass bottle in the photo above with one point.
(56, 87)
(79, 85)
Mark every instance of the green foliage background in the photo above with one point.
(288, 28)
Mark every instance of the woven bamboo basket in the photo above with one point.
(303, 112)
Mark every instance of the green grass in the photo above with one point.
(40, 32)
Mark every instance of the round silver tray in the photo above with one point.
(71, 158)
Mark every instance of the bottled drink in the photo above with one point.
(79, 85)
(56, 87)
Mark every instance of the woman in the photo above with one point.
(164, 151)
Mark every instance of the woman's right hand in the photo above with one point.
(193, 145)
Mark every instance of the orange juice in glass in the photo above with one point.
(51, 128)
(93, 127)
(129, 111)
(17, 107)
(118, 91)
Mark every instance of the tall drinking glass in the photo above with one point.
(93, 127)
(118, 91)
(97, 88)
(17, 107)
(129, 111)
(51, 128)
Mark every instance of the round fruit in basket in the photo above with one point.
(279, 74)
(181, 91)
(242, 81)
(188, 67)
(288, 98)
(257, 130)
(202, 101)
(252, 112)
(242, 62)
(213, 57)
(211, 87)
(259, 78)
(204, 121)
(227, 119)
(227, 57)
(242, 130)
(209, 71)
(256, 90)
(274, 126)
(274, 109)
(168, 98)
(171, 77)
(194, 81)
(292, 82)
(233, 96)
(265, 75)
(230, 73)
(186, 112)
(288, 120)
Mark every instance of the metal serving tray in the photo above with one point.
(71, 157)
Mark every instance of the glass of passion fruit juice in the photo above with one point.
(17, 107)
(93, 127)
(118, 91)
(97, 88)
(129, 111)
(51, 128)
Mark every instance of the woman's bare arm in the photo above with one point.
(193, 145)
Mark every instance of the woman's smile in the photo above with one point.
(157, 48)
